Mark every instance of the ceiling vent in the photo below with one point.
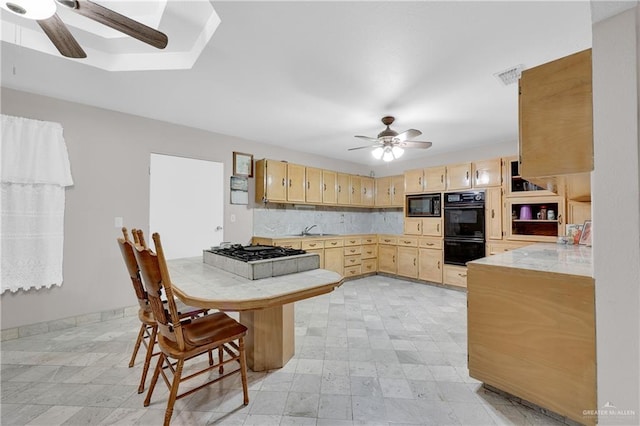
(510, 75)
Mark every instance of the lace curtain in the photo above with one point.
(34, 173)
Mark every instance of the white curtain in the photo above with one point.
(34, 173)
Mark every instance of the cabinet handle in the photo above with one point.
(289, 183)
(352, 251)
(324, 186)
(353, 190)
(437, 227)
(283, 182)
(308, 185)
(430, 244)
(420, 181)
(312, 245)
(393, 259)
(364, 190)
(462, 275)
(414, 261)
(467, 174)
(477, 175)
(387, 241)
(394, 190)
(559, 219)
(493, 213)
(339, 188)
(388, 191)
(419, 226)
(334, 243)
(438, 264)
(441, 178)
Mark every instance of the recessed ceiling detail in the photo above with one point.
(189, 26)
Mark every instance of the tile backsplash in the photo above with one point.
(282, 220)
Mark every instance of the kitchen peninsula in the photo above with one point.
(531, 326)
(265, 305)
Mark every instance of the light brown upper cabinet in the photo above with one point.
(368, 191)
(271, 181)
(458, 176)
(344, 190)
(313, 193)
(432, 179)
(390, 191)
(493, 213)
(431, 226)
(329, 187)
(487, 173)
(556, 117)
(578, 187)
(296, 183)
(355, 190)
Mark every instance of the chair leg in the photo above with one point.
(243, 370)
(147, 359)
(154, 379)
(174, 391)
(220, 357)
(137, 345)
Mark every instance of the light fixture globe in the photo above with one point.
(388, 154)
(377, 153)
(30, 9)
(397, 151)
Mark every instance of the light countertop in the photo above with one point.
(202, 285)
(545, 257)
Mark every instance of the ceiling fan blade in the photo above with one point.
(409, 134)
(368, 138)
(363, 147)
(61, 37)
(121, 23)
(415, 144)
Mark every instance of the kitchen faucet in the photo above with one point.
(306, 230)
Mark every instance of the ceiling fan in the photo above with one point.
(44, 13)
(390, 144)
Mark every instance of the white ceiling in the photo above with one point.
(310, 75)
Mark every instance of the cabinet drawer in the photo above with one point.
(455, 275)
(352, 242)
(352, 271)
(335, 242)
(369, 239)
(348, 251)
(294, 244)
(503, 246)
(408, 241)
(369, 266)
(312, 244)
(386, 239)
(352, 260)
(369, 251)
(430, 243)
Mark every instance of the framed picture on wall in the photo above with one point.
(242, 164)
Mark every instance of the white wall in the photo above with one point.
(109, 155)
(616, 214)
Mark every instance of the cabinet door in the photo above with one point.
(383, 191)
(412, 226)
(432, 226)
(387, 259)
(487, 173)
(313, 193)
(355, 190)
(517, 185)
(454, 275)
(459, 176)
(276, 180)
(397, 191)
(493, 213)
(556, 117)
(435, 179)
(367, 185)
(430, 265)
(296, 183)
(344, 196)
(329, 187)
(413, 181)
(334, 259)
(524, 220)
(407, 262)
(578, 187)
(578, 212)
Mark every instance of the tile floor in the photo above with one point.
(377, 351)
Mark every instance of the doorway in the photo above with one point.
(186, 204)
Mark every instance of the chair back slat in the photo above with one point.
(155, 281)
(126, 248)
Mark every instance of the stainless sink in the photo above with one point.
(312, 234)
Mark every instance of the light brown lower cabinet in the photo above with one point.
(387, 259)
(407, 262)
(455, 275)
(430, 265)
(500, 246)
(369, 266)
(334, 259)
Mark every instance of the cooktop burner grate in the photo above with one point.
(258, 252)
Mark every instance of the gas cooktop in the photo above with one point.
(258, 252)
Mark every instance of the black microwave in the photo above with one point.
(423, 205)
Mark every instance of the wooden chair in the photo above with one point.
(182, 341)
(148, 327)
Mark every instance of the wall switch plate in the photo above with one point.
(232, 218)
(118, 222)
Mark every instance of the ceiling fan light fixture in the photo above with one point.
(31, 9)
(377, 153)
(388, 154)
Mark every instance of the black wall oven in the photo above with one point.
(464, 224)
